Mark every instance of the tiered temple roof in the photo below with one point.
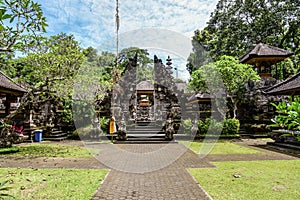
(290, 86)
(265, 53)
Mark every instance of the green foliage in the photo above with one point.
(145, 70)
(104, 124)
(8, 136)
(231, 127)
(19, 17)
(225, 73)
(187, 125)
(215, 126)
(49, 70)
(200, 56)
(57, 59)
(4, 188)
(285, 69)
(94, 76)
(288, 114)
(203, 126)
(235, 26)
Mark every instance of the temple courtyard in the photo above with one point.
(170, 170)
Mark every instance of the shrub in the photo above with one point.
(231, 127)
(215, 127)
(209, 124)
(203, 126)
(187, 125)
(8, 136)
(104, 124)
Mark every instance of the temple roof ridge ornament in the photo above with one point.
(169, 65)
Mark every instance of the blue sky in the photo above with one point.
(92, 22)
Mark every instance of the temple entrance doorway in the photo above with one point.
(147, 108)
(145, 104)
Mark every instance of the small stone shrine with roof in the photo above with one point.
(256, 112)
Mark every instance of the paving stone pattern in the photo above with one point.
(160, 170)
(169, 182)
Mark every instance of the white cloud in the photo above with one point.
(92, 22)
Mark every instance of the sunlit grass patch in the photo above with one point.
(251, 180)
(220, 147)
(47, 150)
(52, 183)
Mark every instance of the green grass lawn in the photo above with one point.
(257, 180)
(48, 150)
(220, 147)
(52, 183)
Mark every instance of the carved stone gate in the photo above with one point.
(143, 103)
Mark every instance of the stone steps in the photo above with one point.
(56, 135)
(145, 141)
(145, 131)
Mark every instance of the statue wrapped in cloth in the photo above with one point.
(112, 126)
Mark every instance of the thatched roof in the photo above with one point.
(7, 86)
(265, 53)
(290, 86)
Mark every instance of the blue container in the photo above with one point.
(38, 135)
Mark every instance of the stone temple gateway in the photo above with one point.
(145, 109)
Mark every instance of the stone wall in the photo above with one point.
(255, 112)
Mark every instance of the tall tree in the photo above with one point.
(236, 25)
(96, 74)
(58, 57)
(50, 71)
(229, 71)
(17, 18)
(145, 70)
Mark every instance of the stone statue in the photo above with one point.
(169, 132)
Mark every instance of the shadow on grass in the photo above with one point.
(7, 151)
(287, 151)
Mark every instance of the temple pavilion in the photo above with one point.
(263, 57)
(10, 93)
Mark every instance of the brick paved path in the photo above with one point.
(161, 169)
(167, 182)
